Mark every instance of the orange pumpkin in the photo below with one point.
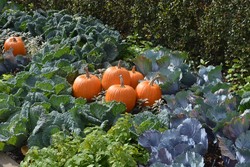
(135, 77)
(111, 76)
(24, 149)
(86, 86)
(122, 93)
(17, 44)
(148, 90)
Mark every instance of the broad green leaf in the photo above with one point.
(2, 4)
(4, 87)
(61, 102)
(143, 64)
(3, 102)
(48, 132)
(245, 102)
(62, 51)
(215, 74)
(36, 110)
(33, 97)
(59, 87)
(147, 121)
(177, 58)
(163, 61)
(96, 55)
(5, 113)
(45, 86)
(111, 51)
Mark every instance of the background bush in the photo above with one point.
(214, 31)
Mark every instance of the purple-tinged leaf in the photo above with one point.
(161, 156)
(181, 148)
(150, 139)
(211, 73)
(164, 156)
(158, 164)
(188, 78)
(189, 127)
(177, 58)
(235, 127)
(143, 64)
(193, 129)
(177, 118)
(227, 162)
(243, 156)
(243, 147)
(175, 143)
(242, 165)
(226, 148)
(191, 159)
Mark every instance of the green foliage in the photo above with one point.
(215, 31)
(224, 29)
(245, 101)
(62, 148)
(2, 4)
(6, 4)
(37, 103)
(99, 148)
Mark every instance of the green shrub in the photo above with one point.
(223, 29)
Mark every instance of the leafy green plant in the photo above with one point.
(39, 99)
(37, 103)
(245, 101)
(100, 148)
(245, 87)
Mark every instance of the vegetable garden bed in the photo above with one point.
(196, 122)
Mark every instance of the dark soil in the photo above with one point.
(213, 156)
(16, 155)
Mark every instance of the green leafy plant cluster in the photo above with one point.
(116, 147)
(38, 101)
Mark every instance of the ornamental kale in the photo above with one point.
(168, 146)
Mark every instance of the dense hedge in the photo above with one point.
(215, 31)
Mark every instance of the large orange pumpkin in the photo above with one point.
(111, 76)
(17, 44)
(148, 90)
(122, 93)
(86, 86)
(135, 77)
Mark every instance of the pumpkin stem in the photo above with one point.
(153, 80)
(119, 64)
(133, 69)
(87, 72)
(14, 39)
(122, 81)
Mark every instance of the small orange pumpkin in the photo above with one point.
(148, 90)
(122, 93)
(111, 76)
(17, 44)
(86, 86)
(24, 149)
(135, 76)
